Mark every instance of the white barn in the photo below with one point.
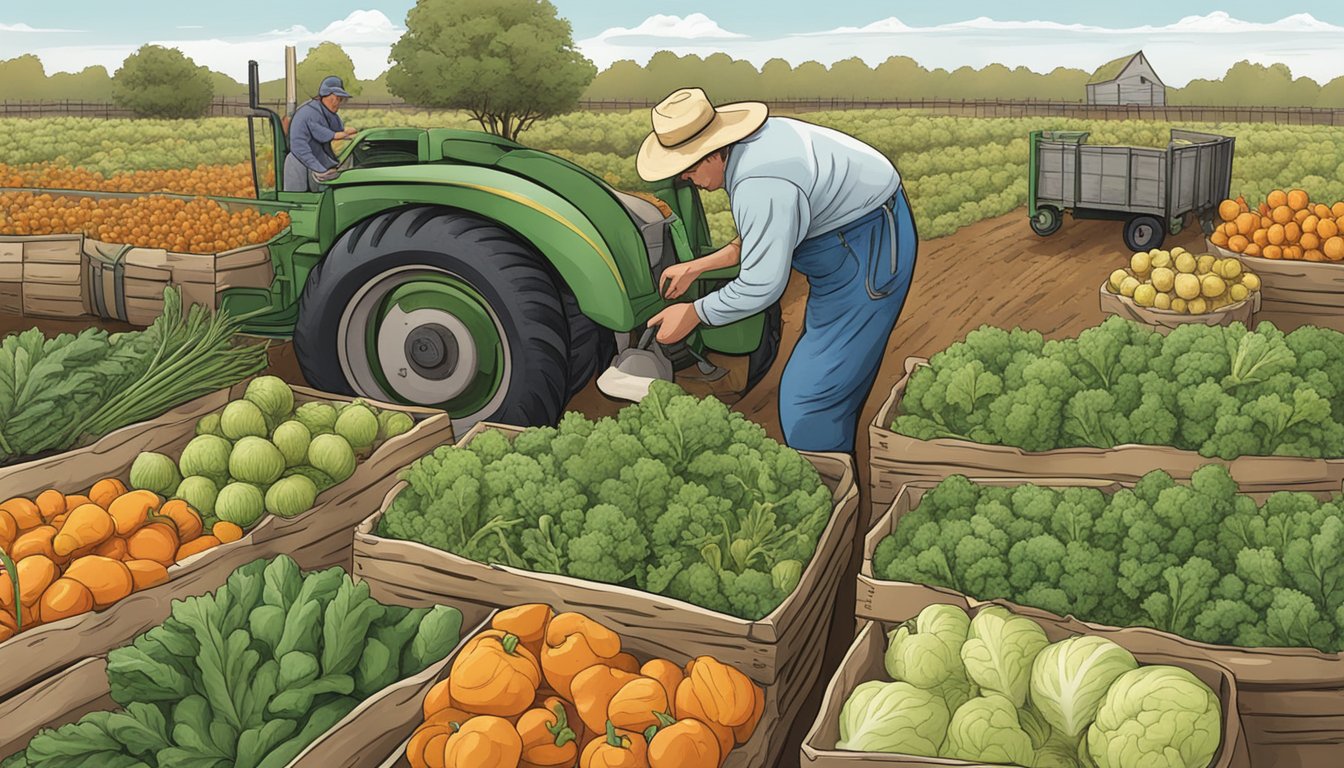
(1127, 80)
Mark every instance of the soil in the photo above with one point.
(994, 272)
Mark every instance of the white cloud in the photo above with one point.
(1193, 47)
(366, 36)
(25, 29)
(695, 26)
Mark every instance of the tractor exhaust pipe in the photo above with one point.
(291, 79)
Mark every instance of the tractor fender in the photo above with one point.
(556, 228)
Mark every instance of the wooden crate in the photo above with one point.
(783, 651)
(1291, 700)
(1296, 293)
(11, 275)
(864, 662)
(1164, 321)
(52, 276)
(317, 538)
(410, 715)
(126, 283)
(359, 739)
(895, 460)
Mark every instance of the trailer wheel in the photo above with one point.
(1144, 233)
(430, 307)
(1177, 224)
(1047, 221)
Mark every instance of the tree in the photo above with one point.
(162, 82)
(507, 62)
(319, 63)
(22, 78)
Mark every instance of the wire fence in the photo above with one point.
(228, 107)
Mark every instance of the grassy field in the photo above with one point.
(957, 170)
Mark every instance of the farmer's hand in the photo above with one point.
(678, 278)
(675, 323)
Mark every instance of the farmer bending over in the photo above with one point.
(803, 197)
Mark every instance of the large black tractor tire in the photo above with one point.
(591, 347)
(510, 293)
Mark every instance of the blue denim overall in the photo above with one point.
(858, 277)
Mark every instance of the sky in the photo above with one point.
(1183, 40)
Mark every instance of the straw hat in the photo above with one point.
(686, 128)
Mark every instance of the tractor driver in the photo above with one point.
(803, 197)
(314, 126)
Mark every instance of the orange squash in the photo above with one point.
(114, 548)
(196, 546)
(146, 573)
(426, 747)
(156, 541)
(548, 739)
(130, 511)
(685, 744)
(626, 662)
(26, 514)
(573, 643)
(64, 598)
(483, 742)
(715, 694)
(494, 675)
(742, 733)
(35, 541)
(87, 526)
(437, 700)
(665, 672)
(107, 579)
(188, 523)
(593, 690)
(226, 532)
(36, 573)
(105, 491)
(616, 750)
(636, 706)
(9, 530)
(50, 503)
(527, 622)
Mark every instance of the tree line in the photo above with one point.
(511, 62)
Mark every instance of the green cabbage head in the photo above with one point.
(1058, 753)
(1156, 716)
(927, 651)
(892, 717)
(986, 729)
(1000, 650)
(1070, 678)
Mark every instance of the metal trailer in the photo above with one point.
(1151, 190)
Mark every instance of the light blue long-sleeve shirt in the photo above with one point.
(787, 182)
(311, 131)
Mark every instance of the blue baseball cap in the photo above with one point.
(332, 85)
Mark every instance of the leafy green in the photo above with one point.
(69, 390)
(1222, 391)
(1196, 559)
(249, 675)
(676, 495)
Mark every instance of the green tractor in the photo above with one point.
(463, 271)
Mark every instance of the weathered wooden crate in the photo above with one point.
(1296, 293)
(864, 662)
(1291, 700)
(360, 739)
(318, 538)
(1164, 320)
(126, 283)
(783, 651)
(895, 460)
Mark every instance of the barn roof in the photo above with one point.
(1112, 69)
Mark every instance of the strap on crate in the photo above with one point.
(101, 258)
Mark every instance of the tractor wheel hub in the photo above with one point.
(432, 351)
